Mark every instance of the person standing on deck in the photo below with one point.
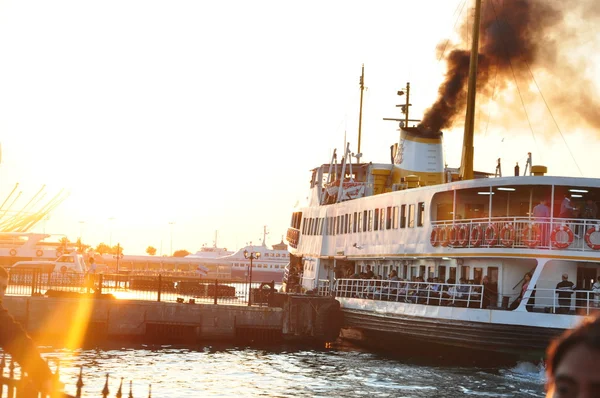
(541, 213)
(17, 343)
(565, 291)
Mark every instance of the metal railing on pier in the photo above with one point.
(158, 287)
(16, 384)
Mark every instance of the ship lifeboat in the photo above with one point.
(453, 235)
(570, 236)
(507, 235)
(588, 237)
(435, 236)
(531, 236)
(443, 236)
(476, 235)
(491, 234)
(463, 235)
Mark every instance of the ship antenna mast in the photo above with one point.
(466, 166)
(362, 90)
(265, 233)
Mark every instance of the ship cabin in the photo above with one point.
(496, 227)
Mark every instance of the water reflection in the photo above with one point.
(223, 371)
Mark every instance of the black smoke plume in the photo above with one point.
(515, 35)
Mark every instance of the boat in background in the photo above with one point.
(28, 246)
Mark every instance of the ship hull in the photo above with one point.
(387, 331)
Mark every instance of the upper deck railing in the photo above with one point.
(518, 232)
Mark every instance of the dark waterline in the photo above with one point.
(290, 371)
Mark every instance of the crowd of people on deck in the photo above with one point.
(418, 290)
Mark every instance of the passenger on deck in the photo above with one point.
(541, 213)
(369, 273)
(526, 280)
(565, 291)
(490, 292)
(596, 290)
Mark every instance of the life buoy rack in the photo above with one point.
(588, 237)
(491, 234)
(13, 252)
(39, 253)
(570, 236)
(434, 237)
(507, 241)
(531, 236)
(444, 232)
(453, 235)
(476, 235)
(463, 235)
(59, 253)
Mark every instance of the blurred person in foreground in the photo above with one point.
(19, 345)
(573, 362)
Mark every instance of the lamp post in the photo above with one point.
(251, 256)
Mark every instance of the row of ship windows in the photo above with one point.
(245, 265)
(392, 217)
(276, 255)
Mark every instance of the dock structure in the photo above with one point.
(71, 321)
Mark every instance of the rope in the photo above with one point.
(454, 27)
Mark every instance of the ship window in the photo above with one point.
(382, 221)
(365, 220)
(395, 218)
(339, 225)
(345, 223)
(370, 224)
(350, 223)
(359, 221)
(321, 220)
(442, 273)
(329, 225)
(465, 272)
(388, 220)
(376, 226)
(421, 214)
(403, 216)
(411, 216)
(354, 223)
(477, 275)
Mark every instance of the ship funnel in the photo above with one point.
(420, 154)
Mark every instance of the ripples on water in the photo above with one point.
(219, 371)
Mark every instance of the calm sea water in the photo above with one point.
(225, 371)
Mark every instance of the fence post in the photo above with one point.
(33, 282)
(159, 285)
(100, 282)
(216, 289)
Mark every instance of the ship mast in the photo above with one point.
(466, 165)
(362, 89)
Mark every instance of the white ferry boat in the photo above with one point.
(414, 250)
(268, 267)
(27, 246)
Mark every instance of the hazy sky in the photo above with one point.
(210, 114)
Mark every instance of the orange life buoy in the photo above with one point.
(491, 234)
(63, 269)
(507, 241)
(476, 235)
(588, 237)
(570, 236)
(453, 235)
(463, 235)
(39, 253)
(444, 236)
(13, 252)
(531, 236)
(434, 238)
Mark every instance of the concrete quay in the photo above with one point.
(71, 321)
